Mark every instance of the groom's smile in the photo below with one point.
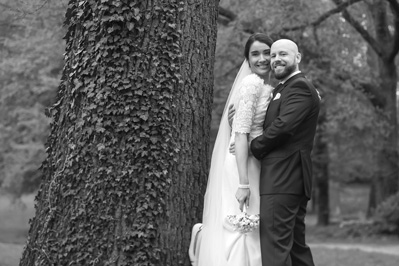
(278, 68)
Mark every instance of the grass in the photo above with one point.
(346, 236)
(339, 257)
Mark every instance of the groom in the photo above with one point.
(286, 168)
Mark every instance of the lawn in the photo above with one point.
(339, 257)
(334, 245)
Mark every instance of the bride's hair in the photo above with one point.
(260, 37)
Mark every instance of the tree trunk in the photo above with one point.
(320, 155)
(320, 159)
(386, 183)
(128, 149)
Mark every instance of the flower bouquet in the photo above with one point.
(242, 222)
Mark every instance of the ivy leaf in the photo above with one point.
(100, 147)
(144, 116)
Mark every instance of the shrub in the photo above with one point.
(387, 215)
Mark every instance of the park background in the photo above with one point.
(347, 47)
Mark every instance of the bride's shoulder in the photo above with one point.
(252, 79)
(269, 87)
(251, 84)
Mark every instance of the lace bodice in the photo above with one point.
(251, 103)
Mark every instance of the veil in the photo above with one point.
(210, 252)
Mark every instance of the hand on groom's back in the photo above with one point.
(231, 114)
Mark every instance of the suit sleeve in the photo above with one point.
(295, 106)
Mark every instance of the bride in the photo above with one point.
(233, 182)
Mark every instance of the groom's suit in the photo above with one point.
(286, 171)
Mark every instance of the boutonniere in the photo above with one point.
(278, 95)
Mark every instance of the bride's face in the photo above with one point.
(259, 59)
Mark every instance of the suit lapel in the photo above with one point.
(279, 88)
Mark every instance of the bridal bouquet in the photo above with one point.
(242, 222)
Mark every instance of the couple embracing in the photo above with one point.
(261, 164)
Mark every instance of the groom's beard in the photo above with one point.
(288, 70)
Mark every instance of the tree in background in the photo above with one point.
(373, 71)
(127, 155)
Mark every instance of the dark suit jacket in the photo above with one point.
(287, 141)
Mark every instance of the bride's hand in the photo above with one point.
(242, 196)
(232, 148)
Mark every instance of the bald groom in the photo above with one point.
(286, 169)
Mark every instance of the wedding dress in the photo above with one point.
(215, 244)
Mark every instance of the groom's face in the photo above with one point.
(284, 59)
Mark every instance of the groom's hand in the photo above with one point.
(242, 196)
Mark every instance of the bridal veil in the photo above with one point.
(211, 248)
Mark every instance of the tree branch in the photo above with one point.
(373, 93)
(228, 15)
(395, 46)
(6, 6)
(340, 7)
(361, 30)
(371, 90)
(18, 9)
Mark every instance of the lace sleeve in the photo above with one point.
(246, 104)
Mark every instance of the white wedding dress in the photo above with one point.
(215, 245)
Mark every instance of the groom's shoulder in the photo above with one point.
(301, 81)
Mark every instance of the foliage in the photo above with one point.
(387, 215)
(383, 223)
(30, 63)
(354, 128)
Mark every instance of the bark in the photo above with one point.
(128, 151)
(320, 154)
(320, 160)
(387, 179)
